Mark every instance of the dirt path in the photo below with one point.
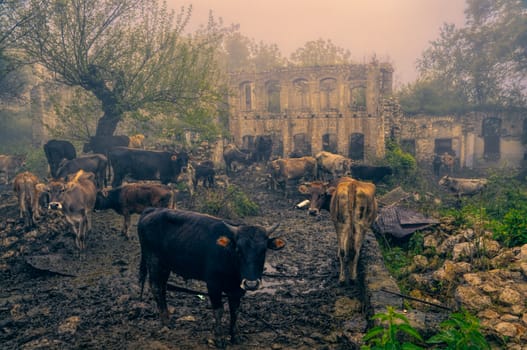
(299, 307)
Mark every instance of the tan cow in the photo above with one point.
(463, 186)
(76, 198)
(353, 209)
(333, 164)
(284, 170)
(137, 141)
(25, 188)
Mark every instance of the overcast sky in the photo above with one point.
(394, 30)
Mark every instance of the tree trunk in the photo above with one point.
(107, 124)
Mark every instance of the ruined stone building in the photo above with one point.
(349, 109)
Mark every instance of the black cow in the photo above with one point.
(93, 163)
(204, 171)
(263, 147)
(103, 144)
(146, 165)
(56, 151)
(230, 259)
(233, 155)
(370, 172)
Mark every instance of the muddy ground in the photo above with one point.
(52, 297)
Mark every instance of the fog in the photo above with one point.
(394, 30)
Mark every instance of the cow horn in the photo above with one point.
(272, 228)
(233, 229)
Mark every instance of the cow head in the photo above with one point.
(56, 190)
(179, 162)
(320, 193)
(445, 180)
(251, 244)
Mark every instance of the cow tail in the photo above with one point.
(28, 201)
(352, 197)
(143, 272)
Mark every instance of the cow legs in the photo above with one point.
(234, 304)
(355, 249)
(158, 284)
(217, 309)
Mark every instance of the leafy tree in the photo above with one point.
(243, 53)
(484, 62)
(131, 55)
(320, 52)
(13, 16)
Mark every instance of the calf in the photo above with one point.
(204, 171)
(9, 165)
(76, 198)
(370, 172)
(25, 187)
(353, 209)
(461, 186)
(229, 259)
(93, 163)
(133, 199)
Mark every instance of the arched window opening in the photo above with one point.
(491, 138)
(328, 94)
(356, 146)
(329, 143)
(300, 95)
(301, 145)
(358, 98)
(246, 96)
(273, 96)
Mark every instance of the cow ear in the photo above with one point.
(304, 188)
(275, 243)
(223, 241)
(330, 190)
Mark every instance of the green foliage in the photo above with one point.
(402, 163)
(36, 162)
(230, 203)
(130, 55)
(512, 230)
(393, 326)
(461, 331)
(482, 65)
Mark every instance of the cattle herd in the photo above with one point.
(228, 257)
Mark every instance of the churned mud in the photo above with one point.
(53, 297)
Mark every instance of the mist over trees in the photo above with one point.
(131, 55)
(481, 66)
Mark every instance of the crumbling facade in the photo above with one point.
(349, 109)
(339, 109)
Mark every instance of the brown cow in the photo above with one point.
(334, 164)
(284, 170)
(131, 199)
(9, 165)
(353, 209)
(24, 186)
(76, 198)
(320, 193)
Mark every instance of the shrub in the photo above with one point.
(231, 203)
(386, 335)
(461, 331)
